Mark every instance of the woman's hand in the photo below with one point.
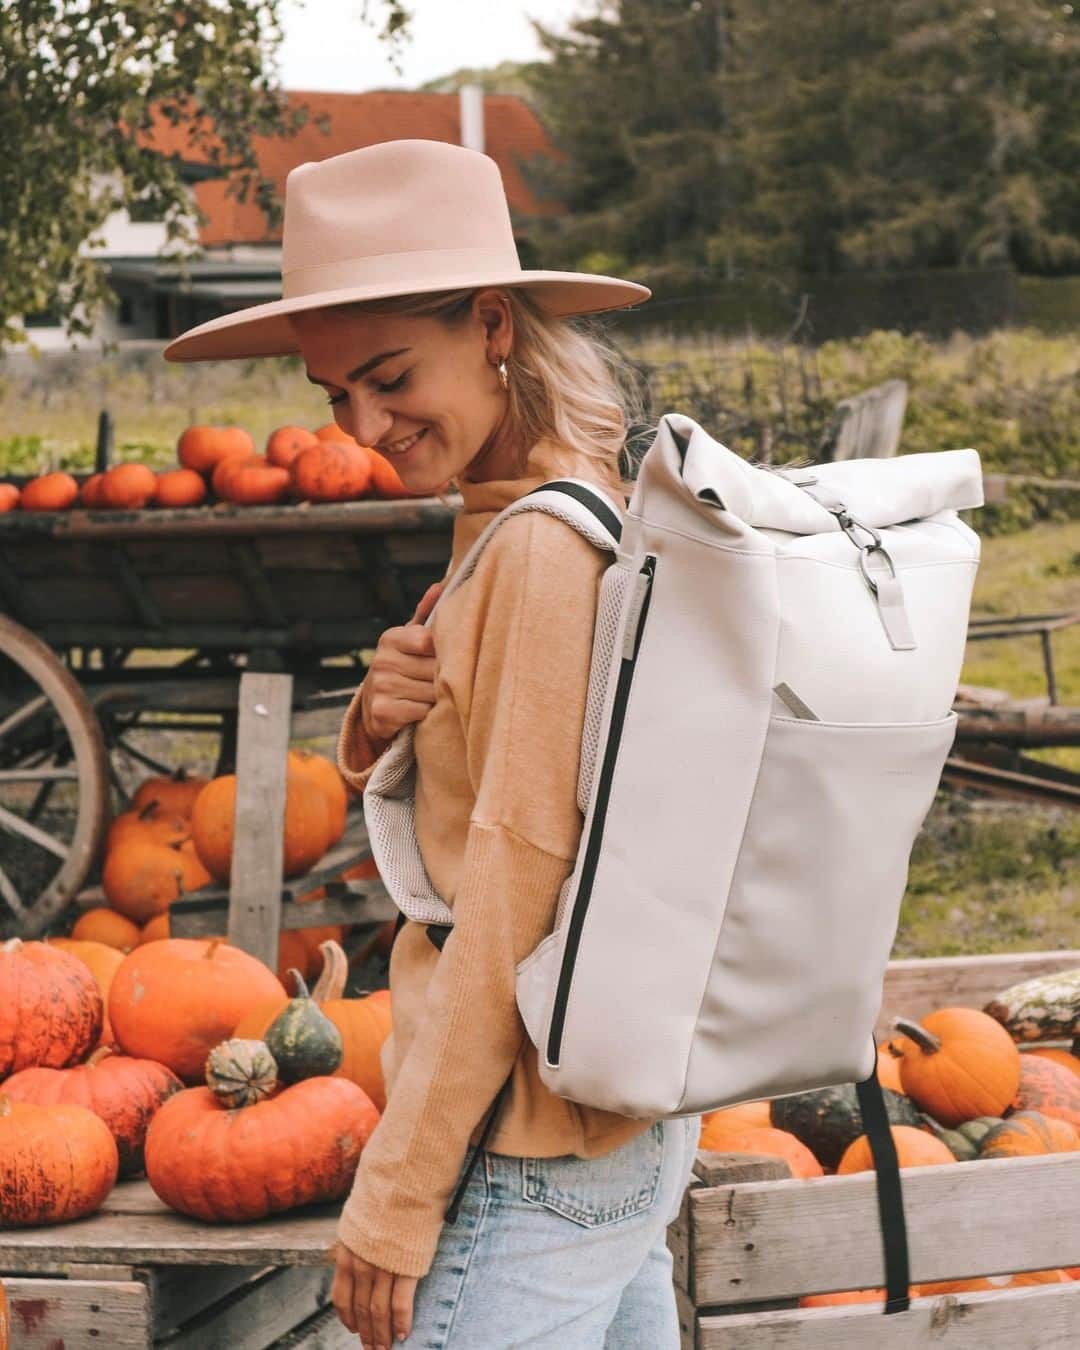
(375, 1303)
(399, 687)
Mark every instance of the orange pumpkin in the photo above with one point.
(888, 1069)
(49, 492)
(193, 875)
(128, 487)
(51, 1011)
(846, 1296)
(326, 777)
(254, 482)
(364, 1023)
(1031, 1277)
(90, 493)
(331, 472)
(1056, 1055)
(1049, 1088)
(385, 481)
(155, 929)
(747, 1115)
(914, 1148)
(151, 824)
(201, 447)
(976, 1284)
(173, 796)
(141, 878)
(226, 467)
(330, 431)
(105, 925)
(957, 1064)
(60, 1162)
(102, 962)
(174, 1000)
(124, 1092)
(9, 501)
(1029, 1132)
(763, 1139)
(307, 825)
(284, 444)
(299, 1147)
(177, 488)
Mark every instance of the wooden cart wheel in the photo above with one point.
(54, 783)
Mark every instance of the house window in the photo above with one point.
(125, 311)
(42, 318)
(144, 212)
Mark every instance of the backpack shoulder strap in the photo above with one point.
(582, 505)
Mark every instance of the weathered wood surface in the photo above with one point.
(407, 515)
(49, 1314)
(1046, 1318)
(1019, 726)
(258, 1313)
(180, 1293)
(782, 1239)
(324, 1331)
(915, 987)
(258, 843)
(869, 424)
(133, 1227)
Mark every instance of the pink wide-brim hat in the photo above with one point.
(400, 218)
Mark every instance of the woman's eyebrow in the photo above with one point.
(362, 370)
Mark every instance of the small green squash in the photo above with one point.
(964, 1141)
(827, 1120)
(1046, 1008)
(302, 1039)
(241, 1073)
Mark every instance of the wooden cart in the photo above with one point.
(750, 1243)
(113, 624)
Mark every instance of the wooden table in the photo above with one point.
(136, 1274)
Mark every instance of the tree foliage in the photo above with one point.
(736, 135)
(85, 87)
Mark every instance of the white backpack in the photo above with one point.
(775, 659)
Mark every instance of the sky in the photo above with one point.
(328, 47)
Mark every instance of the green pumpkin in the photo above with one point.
(828, 1120)
(302, 1039)
(963, 1142)
(241, 1073)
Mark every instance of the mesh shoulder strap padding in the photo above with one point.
(390, 794)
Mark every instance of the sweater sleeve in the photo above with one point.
(527, 621)
(357, 753)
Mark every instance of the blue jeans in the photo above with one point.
(561, 1253)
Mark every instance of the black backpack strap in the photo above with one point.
(459, 1193)
(596, 504)
(890, 1197)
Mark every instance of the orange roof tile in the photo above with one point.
(512, 130)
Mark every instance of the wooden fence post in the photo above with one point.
(258, 843)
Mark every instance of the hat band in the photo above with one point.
(406, 270)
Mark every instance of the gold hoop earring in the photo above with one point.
(504, 374)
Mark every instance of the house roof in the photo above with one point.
(337, 123)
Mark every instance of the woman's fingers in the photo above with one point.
(428, 601)
(342, 1294)
(401, 1305)
(379, 1303)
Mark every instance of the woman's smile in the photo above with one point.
(402, 447)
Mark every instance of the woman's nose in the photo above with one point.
(370, 422)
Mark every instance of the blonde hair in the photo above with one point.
(567, 383)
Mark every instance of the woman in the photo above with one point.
(404, 294)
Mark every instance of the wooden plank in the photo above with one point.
(51, 1314)
(719, 1169)
(133, 1197)
(324, 1331)
(869, 424)
(781, 1239)
(1038, 1318)
(258, 845)
(179, 1293)
(688, 1320)
(254, 1316)
(680, 1245)
(915, 987)
(209, 921)
(299, 1238)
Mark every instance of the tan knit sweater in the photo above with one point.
(498, 827)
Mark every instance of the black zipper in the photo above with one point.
(596, 833)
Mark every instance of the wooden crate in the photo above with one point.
(136, 1275)
(748, 1244)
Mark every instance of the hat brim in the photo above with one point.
(264, 330)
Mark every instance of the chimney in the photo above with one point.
(472, 117)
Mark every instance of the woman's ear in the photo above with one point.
(491, 309)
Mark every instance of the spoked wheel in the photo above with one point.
(54, 784)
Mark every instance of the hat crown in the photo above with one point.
(395, 198)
